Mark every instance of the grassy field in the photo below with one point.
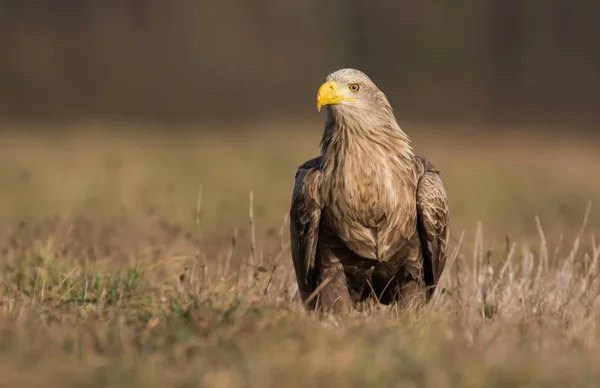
(150, 260)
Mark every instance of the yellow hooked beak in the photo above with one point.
(328, 94)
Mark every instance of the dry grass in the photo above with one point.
(116, 280)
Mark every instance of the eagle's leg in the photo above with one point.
(412, 290)
(334, 296)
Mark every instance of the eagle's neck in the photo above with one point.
(372, 137)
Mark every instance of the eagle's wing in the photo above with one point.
(432, 219)
(305, 214)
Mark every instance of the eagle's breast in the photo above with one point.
(372, 205)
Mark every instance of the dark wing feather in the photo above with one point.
(305, 214)
(433, 224)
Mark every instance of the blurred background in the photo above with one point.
(126, 104)
(492, 60)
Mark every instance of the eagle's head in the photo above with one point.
(356, 107)
(351, 90)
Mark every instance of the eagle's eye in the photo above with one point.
(354, 87)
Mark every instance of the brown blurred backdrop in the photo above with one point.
(493, 60)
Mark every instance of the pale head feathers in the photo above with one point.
(369, 118)
(368, 98)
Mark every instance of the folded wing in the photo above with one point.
(305, 214)
(433, 220)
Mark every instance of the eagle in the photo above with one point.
(369, 218)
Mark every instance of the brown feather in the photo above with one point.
(367, 210)
(304, 224)
(433, 219)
